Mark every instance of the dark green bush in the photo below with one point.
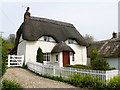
(94, 54)
(4, 55)
(111, 68)
(79, 66)
(100, 64)
(57, 78)
(97, 62)
(39, 56)
(10, 85)
(114, 83)
(86, 81)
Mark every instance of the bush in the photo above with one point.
(97, 62)
(3, 56)
(94, 54)
(10, 85)
(86, 81)
(79, 66)
(57, 78)
(39, 56)
(114, 83)
(100, 64)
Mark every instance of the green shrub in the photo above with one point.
(39, 56)
(111, 68)
(79, 66)
(86, 81)
(114, 83)
(10, 85)
(97, 62)
(57, 78)
(4, 55)
(94, 54)
(100, 64)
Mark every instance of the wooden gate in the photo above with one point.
(15, 60)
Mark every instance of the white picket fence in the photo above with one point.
(15, 60)
(66, 71)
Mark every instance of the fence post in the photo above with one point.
(22, 60)
(107, 75)
(43, 69)
(54, 70)
(8, 60)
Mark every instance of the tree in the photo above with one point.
(100, 64)
(89, 38)
(39, 56)
(97, 62)
(11, 39)
(3, 55)
(94, 54)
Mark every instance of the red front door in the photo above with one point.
(66, 58)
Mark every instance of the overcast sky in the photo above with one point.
(98, 18)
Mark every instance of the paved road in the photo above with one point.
(28, 79)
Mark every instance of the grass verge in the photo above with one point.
(10, 85)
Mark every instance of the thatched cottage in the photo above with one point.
(60, 42)
(109, 49)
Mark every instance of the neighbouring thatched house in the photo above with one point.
(109, 49)
(60, 42)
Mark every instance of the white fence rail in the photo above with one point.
(66, 71)
(15, 60)
(112, 73)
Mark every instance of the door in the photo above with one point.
(66, 58)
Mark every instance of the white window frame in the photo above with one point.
(73, 57)
(56, 58)
(47, 56)
(70, 41)
(47, 38)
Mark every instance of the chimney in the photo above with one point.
(114, 35)
(27, 14)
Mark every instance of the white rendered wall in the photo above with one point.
(29, 50)
(54, 62)
(80, 55)
(32, 47)
(114, 62)
(21, 50)
(61, 60)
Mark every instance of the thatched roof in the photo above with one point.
(60, 47)
(34, 28)
(106, 48)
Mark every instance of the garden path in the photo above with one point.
(28, 79)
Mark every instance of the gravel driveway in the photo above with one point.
(28, 79)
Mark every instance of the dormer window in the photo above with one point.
(70, 41)
(46, 38)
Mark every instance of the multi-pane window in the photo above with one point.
(73, 58)
(70, 41)
(46, 38)
(56, 57)
(46, 56)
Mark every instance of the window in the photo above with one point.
(46, 38)
(56, 57)
(70, 41)
(46, 56)
(73, 58)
